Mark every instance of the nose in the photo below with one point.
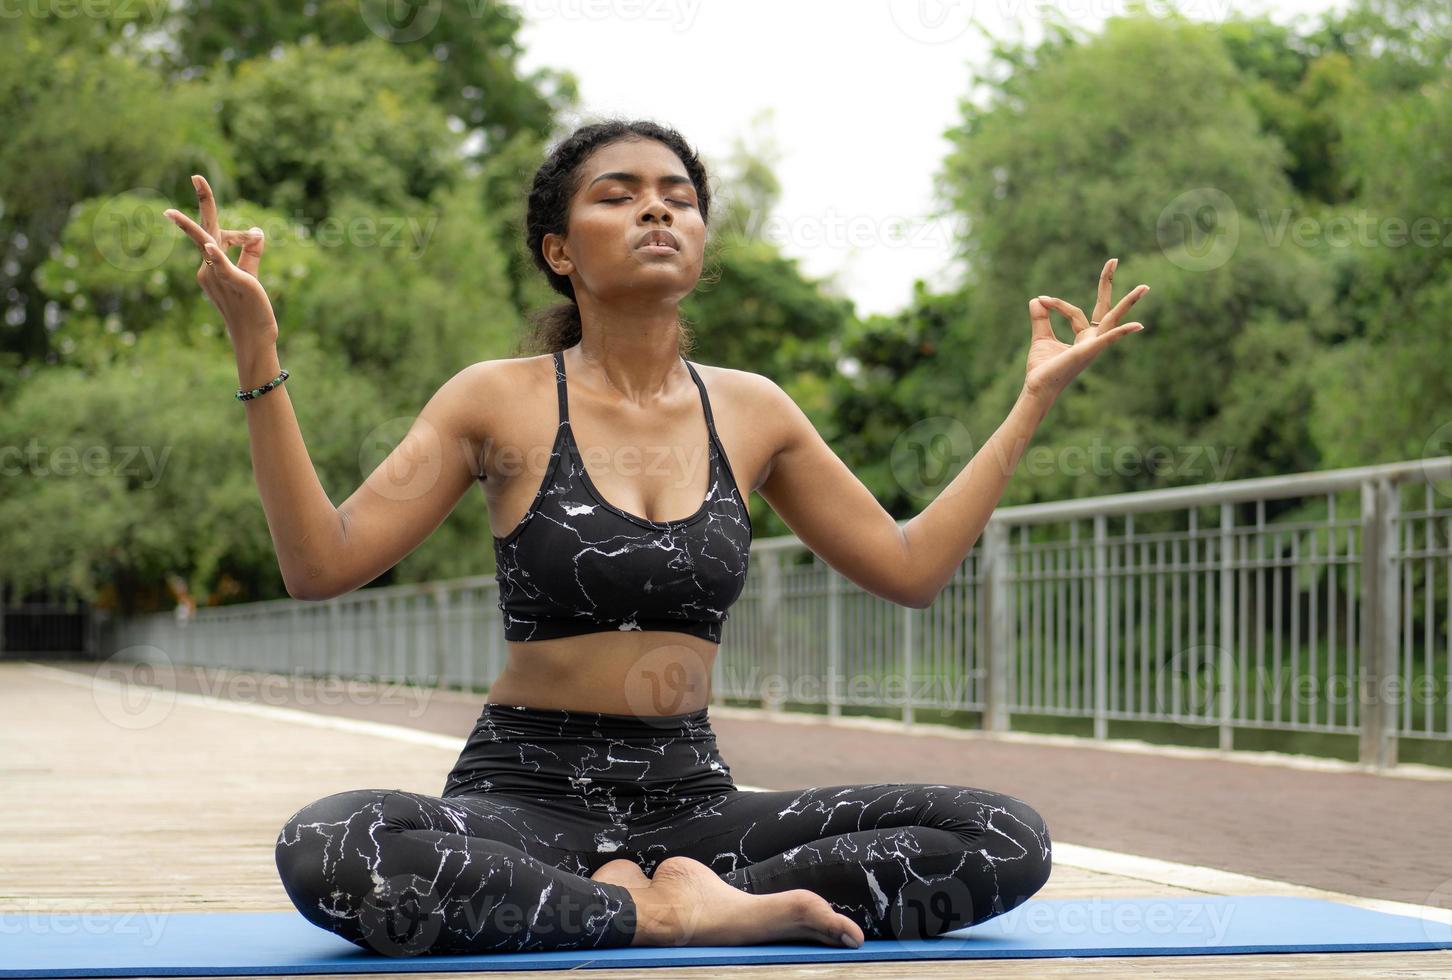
(656, 208)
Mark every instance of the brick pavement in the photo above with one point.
(1362, 834)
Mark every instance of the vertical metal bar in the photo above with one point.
(1353, 653)
(1145, 577)
(771, 609)
(1193, 639)
(1061, 628)
(834, 643)
(1131, 581)
(1429, 580)
(1163, 566)
(905, 659)
(1176, 650)
(442, 645)
(1331, 592)
(1226, 667)
(1405, 544)
(1240, 548)
(1101, 630)
(994, 558)
(334, 637)
(1036, 646)
(1313, 624)
(1260, 611)
(1378, 623)
(1022, 660)
(1112, 629)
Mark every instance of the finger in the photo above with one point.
(238, 238)
(1123, 330)
(1105, 298)
(221, 266)
(1122, 307)
(252, 244)
(208, 205)
(197, 234)
(1039, 321)
(1076, 316)
(232, 237)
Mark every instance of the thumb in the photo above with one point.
(252, 245)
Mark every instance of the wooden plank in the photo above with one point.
(116, 804)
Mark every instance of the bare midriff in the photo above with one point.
(634, 672)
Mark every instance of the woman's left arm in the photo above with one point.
(940, 537)
(839, 519)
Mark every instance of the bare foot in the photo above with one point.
(621, 871)
(688, 904)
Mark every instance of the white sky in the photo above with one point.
(859, 94)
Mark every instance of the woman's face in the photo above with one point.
(629, 190)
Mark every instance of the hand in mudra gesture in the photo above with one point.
(232, 288)
(1052, 364)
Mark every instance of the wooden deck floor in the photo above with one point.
(125, 800)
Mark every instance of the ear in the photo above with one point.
(552, 246)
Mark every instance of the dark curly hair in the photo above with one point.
(555, 184)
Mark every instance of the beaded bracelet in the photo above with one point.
(243, 394)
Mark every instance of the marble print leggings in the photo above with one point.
(541, 798)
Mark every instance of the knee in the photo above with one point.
(319, 852)
(1033, 862)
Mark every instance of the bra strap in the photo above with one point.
(560, 392)
(705, 399)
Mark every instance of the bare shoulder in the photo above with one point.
(499, 402)
(755, 415)
(746, 390)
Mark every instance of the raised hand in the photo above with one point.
(233, 288)
(1052, 364)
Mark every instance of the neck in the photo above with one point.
(635, 351)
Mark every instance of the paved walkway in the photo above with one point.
(1361, 834)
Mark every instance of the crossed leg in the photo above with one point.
(405, 873)
(902, 860)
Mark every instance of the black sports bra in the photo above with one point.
(576, 563)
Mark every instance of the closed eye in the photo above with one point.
(612, 200)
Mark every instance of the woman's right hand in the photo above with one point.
(233, 289)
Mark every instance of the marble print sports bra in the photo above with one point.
(578, 564)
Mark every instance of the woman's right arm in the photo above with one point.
(322, 550)
(325, 551)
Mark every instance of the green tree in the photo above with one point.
(1141, 142)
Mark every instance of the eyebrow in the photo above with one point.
(629, 178)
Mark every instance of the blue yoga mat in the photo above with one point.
(281, 943)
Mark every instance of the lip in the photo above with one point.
(658, 240)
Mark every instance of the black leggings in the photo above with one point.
(539, 799)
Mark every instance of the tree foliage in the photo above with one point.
(1282, 186)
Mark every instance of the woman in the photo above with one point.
(590, 807)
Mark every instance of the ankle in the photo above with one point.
(657, 919)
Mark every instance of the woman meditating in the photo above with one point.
(590, 807)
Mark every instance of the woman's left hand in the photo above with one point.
(1053, 364)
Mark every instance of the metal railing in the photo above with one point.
(1313, 602)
